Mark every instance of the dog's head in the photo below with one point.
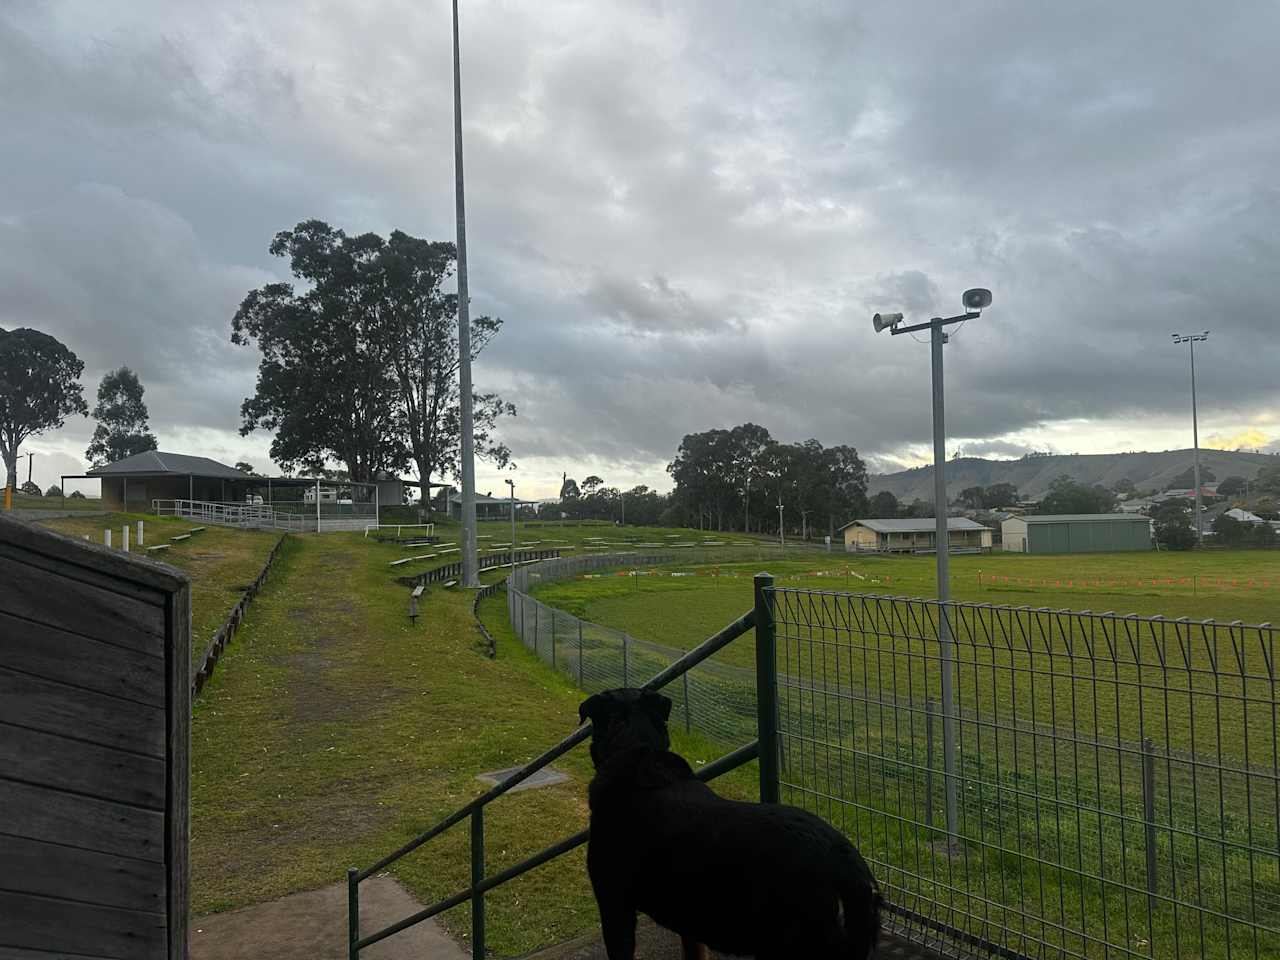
(625, 719)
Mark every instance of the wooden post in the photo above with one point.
(139, 533)
(106, 536)
(124, 538)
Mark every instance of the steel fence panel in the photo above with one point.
(1117, 775)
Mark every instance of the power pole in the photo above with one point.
(1190, 340)
(29, 456)
(470, 566)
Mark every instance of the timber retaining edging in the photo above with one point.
(226, 633)
(488, 590)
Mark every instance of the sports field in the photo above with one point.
(1052, 735)
(664, 606)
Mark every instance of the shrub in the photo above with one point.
(77, 495)
(53, 491)
(30, 489)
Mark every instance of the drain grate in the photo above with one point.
(543, 778)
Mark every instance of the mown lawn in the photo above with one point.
(22, 501)
(334, 731)
(221, 562)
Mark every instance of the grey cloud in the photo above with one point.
(685, 212)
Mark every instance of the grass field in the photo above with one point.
(1028, 777)
(334, 731)
(221, 562)
(24, 502)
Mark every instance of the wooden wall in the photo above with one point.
(94, 734)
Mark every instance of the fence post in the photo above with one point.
(928, 762)
(580, 686)
(626, 660)
(477, 877)
(553, 638)
(536, 618)
(106, 537)
(688, 725)
(767, 689)
(1149, 815)
(353, 913)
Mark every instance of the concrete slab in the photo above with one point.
(313, 926)
(543, 778)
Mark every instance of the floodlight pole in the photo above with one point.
(1190, 340)
(782, 533)
(946, 646)
(470, 566)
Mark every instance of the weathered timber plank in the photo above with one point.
(57, 655)
(81, 608)
(178, 773)
(47, 923)
(42, 813)
(88, 768)
(58, 708)
(53, 870)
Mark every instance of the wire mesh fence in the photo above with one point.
(714, 699)
(1115, 777)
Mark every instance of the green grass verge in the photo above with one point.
(24, 502)
(221, 561)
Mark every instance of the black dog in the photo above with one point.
(762, 880)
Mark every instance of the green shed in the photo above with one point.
(1076, 533)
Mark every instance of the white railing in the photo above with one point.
(234, 514)
(427, 529)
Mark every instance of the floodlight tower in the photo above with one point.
(974, 301)
(470, 564)
(1191, 339)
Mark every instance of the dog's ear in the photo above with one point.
(656, 705)
(592, 708)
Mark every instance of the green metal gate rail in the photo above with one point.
(761, 618)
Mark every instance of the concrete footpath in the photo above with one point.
(313, 926)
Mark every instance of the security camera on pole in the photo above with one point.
(974, 301)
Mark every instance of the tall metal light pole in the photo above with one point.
(782, 533)
(974, 301)
(512, 484)
(1191, 339)
(470, 566)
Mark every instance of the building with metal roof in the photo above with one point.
(133, 483)
(1076, 533)
(915, 535)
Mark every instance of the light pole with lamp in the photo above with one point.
(1191, 339)
(470, 563)
(512, 484)
(974, 301)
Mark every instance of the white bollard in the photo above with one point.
(124, 538)
(139, 533)
(106, 537)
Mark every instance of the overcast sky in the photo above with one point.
(685, 212)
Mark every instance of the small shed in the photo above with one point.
(915, 535)
(1076, 533)
(95, 705)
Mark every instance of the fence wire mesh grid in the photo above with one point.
(714, 699)
(1115, 777)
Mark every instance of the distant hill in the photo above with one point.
(1032, 475)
